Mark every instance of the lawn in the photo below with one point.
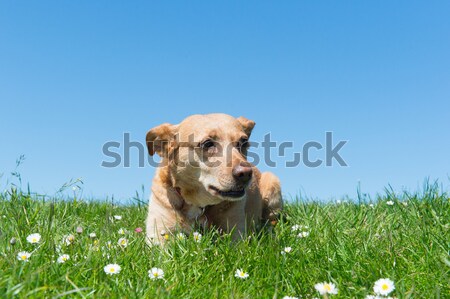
(351, 244)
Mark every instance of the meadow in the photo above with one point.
(349, 244)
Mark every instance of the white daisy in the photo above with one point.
(111, 269)
(383, 286)
(286, 250)
(69, 239)
(156, 273)
(378, 297)
(303, 234)
(123, 242)
(92, 235)
(326, 288)
(63, 258)
(197, 236)
(34, 238)
(390, 203)
(297, 227)
(240, 274)
(181, 236)
(23, 256)
(122, 231)
(117, 217)
(108, 246)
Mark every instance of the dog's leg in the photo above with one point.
(270, 189)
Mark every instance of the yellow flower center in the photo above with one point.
(111, 270)
(34, 240)
(385, 287)
(155, 274)
(327, 287)
(24, 257)
(166, 236)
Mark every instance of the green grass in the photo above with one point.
(351, 245)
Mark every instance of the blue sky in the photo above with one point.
(76, 74)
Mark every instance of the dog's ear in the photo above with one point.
(246, 124)
(159, 138)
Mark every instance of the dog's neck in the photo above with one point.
(167, 185)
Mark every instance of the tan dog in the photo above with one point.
(204, 177)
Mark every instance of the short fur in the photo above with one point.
(185, 188)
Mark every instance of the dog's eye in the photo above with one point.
(207, 144)
(243, 143)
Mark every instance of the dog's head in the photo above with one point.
(206, 156)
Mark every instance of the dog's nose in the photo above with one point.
(242, 173)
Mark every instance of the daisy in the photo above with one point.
(92, 235)
(405, 203)
(123, 242)
(108, 245)
(156, 273)
(240, 274)
(286, 250)
(23, 256)
(390, 203)
(181, 236)
(34, 238)
(371, 205)
(117, 217)
(383, 286)
(63, 258)
(197, 236)
(303, 234)
(111, 269)
(326, 288)
(297, 227)
(69, 239)
(121, 231)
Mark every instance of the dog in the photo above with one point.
(204, 178)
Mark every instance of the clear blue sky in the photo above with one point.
(76, 74)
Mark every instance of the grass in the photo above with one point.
(350, 244)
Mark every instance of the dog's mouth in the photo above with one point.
(230, 193)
